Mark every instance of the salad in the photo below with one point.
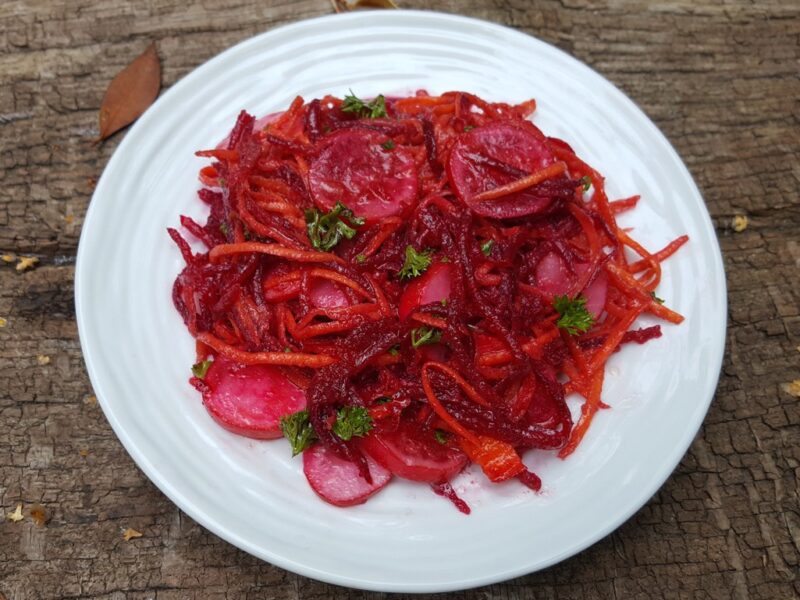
(404, 286)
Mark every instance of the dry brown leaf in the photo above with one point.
(739, 223)
(90, 400)
(43, 359)
(84, 452)
(375, 4)
(3, 322)
(130, 93)
(129, 534)
(344, 6)
(8, 258)
(16, 516)
(792, 388)
(38, 515)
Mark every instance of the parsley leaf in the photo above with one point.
(388, 145)
(586, 182)
(468, 128)
(352, 420)
(416, 263)
(656, 298)
(360, 258)
(200, 369)
(326, 230)
(486, 247)
(424, 335)
(440, 435)
(223, 229)
(394, 350)
(575, 318)
(298, 430)
(373, 109)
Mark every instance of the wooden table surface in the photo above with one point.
(719, 77)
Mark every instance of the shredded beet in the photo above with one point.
(431, 275)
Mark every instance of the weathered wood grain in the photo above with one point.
(720, 77)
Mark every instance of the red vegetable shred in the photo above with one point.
(404, 286)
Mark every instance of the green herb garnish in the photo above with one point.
(223, 227)
(373, 109)
(424, 335)
(656, 298)
(200, 369)
(440, 435)
(394, 350)
(298, 430)
(351, 421)
(326, 230)
(388, 145)
(486, 247)
(382, 400)
(586, 182)
(416, 263)
(360, 258)
(468, 128)
(575, 318)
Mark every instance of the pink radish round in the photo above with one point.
(337, 480)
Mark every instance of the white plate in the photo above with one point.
(252, 494)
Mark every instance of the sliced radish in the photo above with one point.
(250, 400)
(415, 455)
(325, 293)
(432, 286)
(596, 295)
(354, 168)
(337, 480)
(494, 155)
(553, 276)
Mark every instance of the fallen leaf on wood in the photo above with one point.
(27, 262)
(38, 515)
(3, 322)
(8, 258)
(90, 400)
(739, 223)
(130, 93)
(16, 516)
(129, 534)
(42, 359)
(344, 6)
(792, 388)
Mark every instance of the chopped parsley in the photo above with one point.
(373, 109)
(360, 258)
(388, 145)
(325, 230)
(298, 430)
(394, 350)
(575, 318)
(440, 435)
(382, 400)
(352, 421)
(223, 227)
(486, 247)
(416, 263)
(200, 369)
(586, 182)
(468, 128)
(424, 335)
(656, 298)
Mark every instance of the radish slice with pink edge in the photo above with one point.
(432, 286)
(554, 277)
(250, 400)
(325, 293)
(353, 167)
(337, 480)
